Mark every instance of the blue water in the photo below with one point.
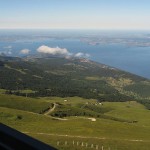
(132, 59)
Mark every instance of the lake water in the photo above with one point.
(129, 58)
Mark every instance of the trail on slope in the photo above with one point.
(51, 110)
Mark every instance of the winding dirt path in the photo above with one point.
(51, 110)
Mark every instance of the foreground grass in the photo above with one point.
(76, 143)
(103, 132)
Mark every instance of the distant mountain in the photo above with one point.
(56, 76)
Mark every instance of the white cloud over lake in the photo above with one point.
(25, 51)
(53, 50)
(60, 51)
(82, 55)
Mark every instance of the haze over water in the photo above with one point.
(126, 50)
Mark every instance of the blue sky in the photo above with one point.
(86, 14)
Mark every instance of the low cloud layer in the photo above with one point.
(53, 50)
(6, 52)
(25, 51)
(85, 55)
(60, 51)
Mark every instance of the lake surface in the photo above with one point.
(133, 59)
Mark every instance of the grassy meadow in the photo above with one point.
(79, 132)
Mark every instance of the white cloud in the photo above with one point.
(85, 55)
(53, 50)
(25, 51)
(60, 51)
(6, 52)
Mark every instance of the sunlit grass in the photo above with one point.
(102, 132)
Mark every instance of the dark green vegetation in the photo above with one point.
(63, 77)
(86, 110)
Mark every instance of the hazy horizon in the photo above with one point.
(70, 14)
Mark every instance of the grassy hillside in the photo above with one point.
(102, 132)
(23, 103)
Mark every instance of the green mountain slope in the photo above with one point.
(54, 76)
